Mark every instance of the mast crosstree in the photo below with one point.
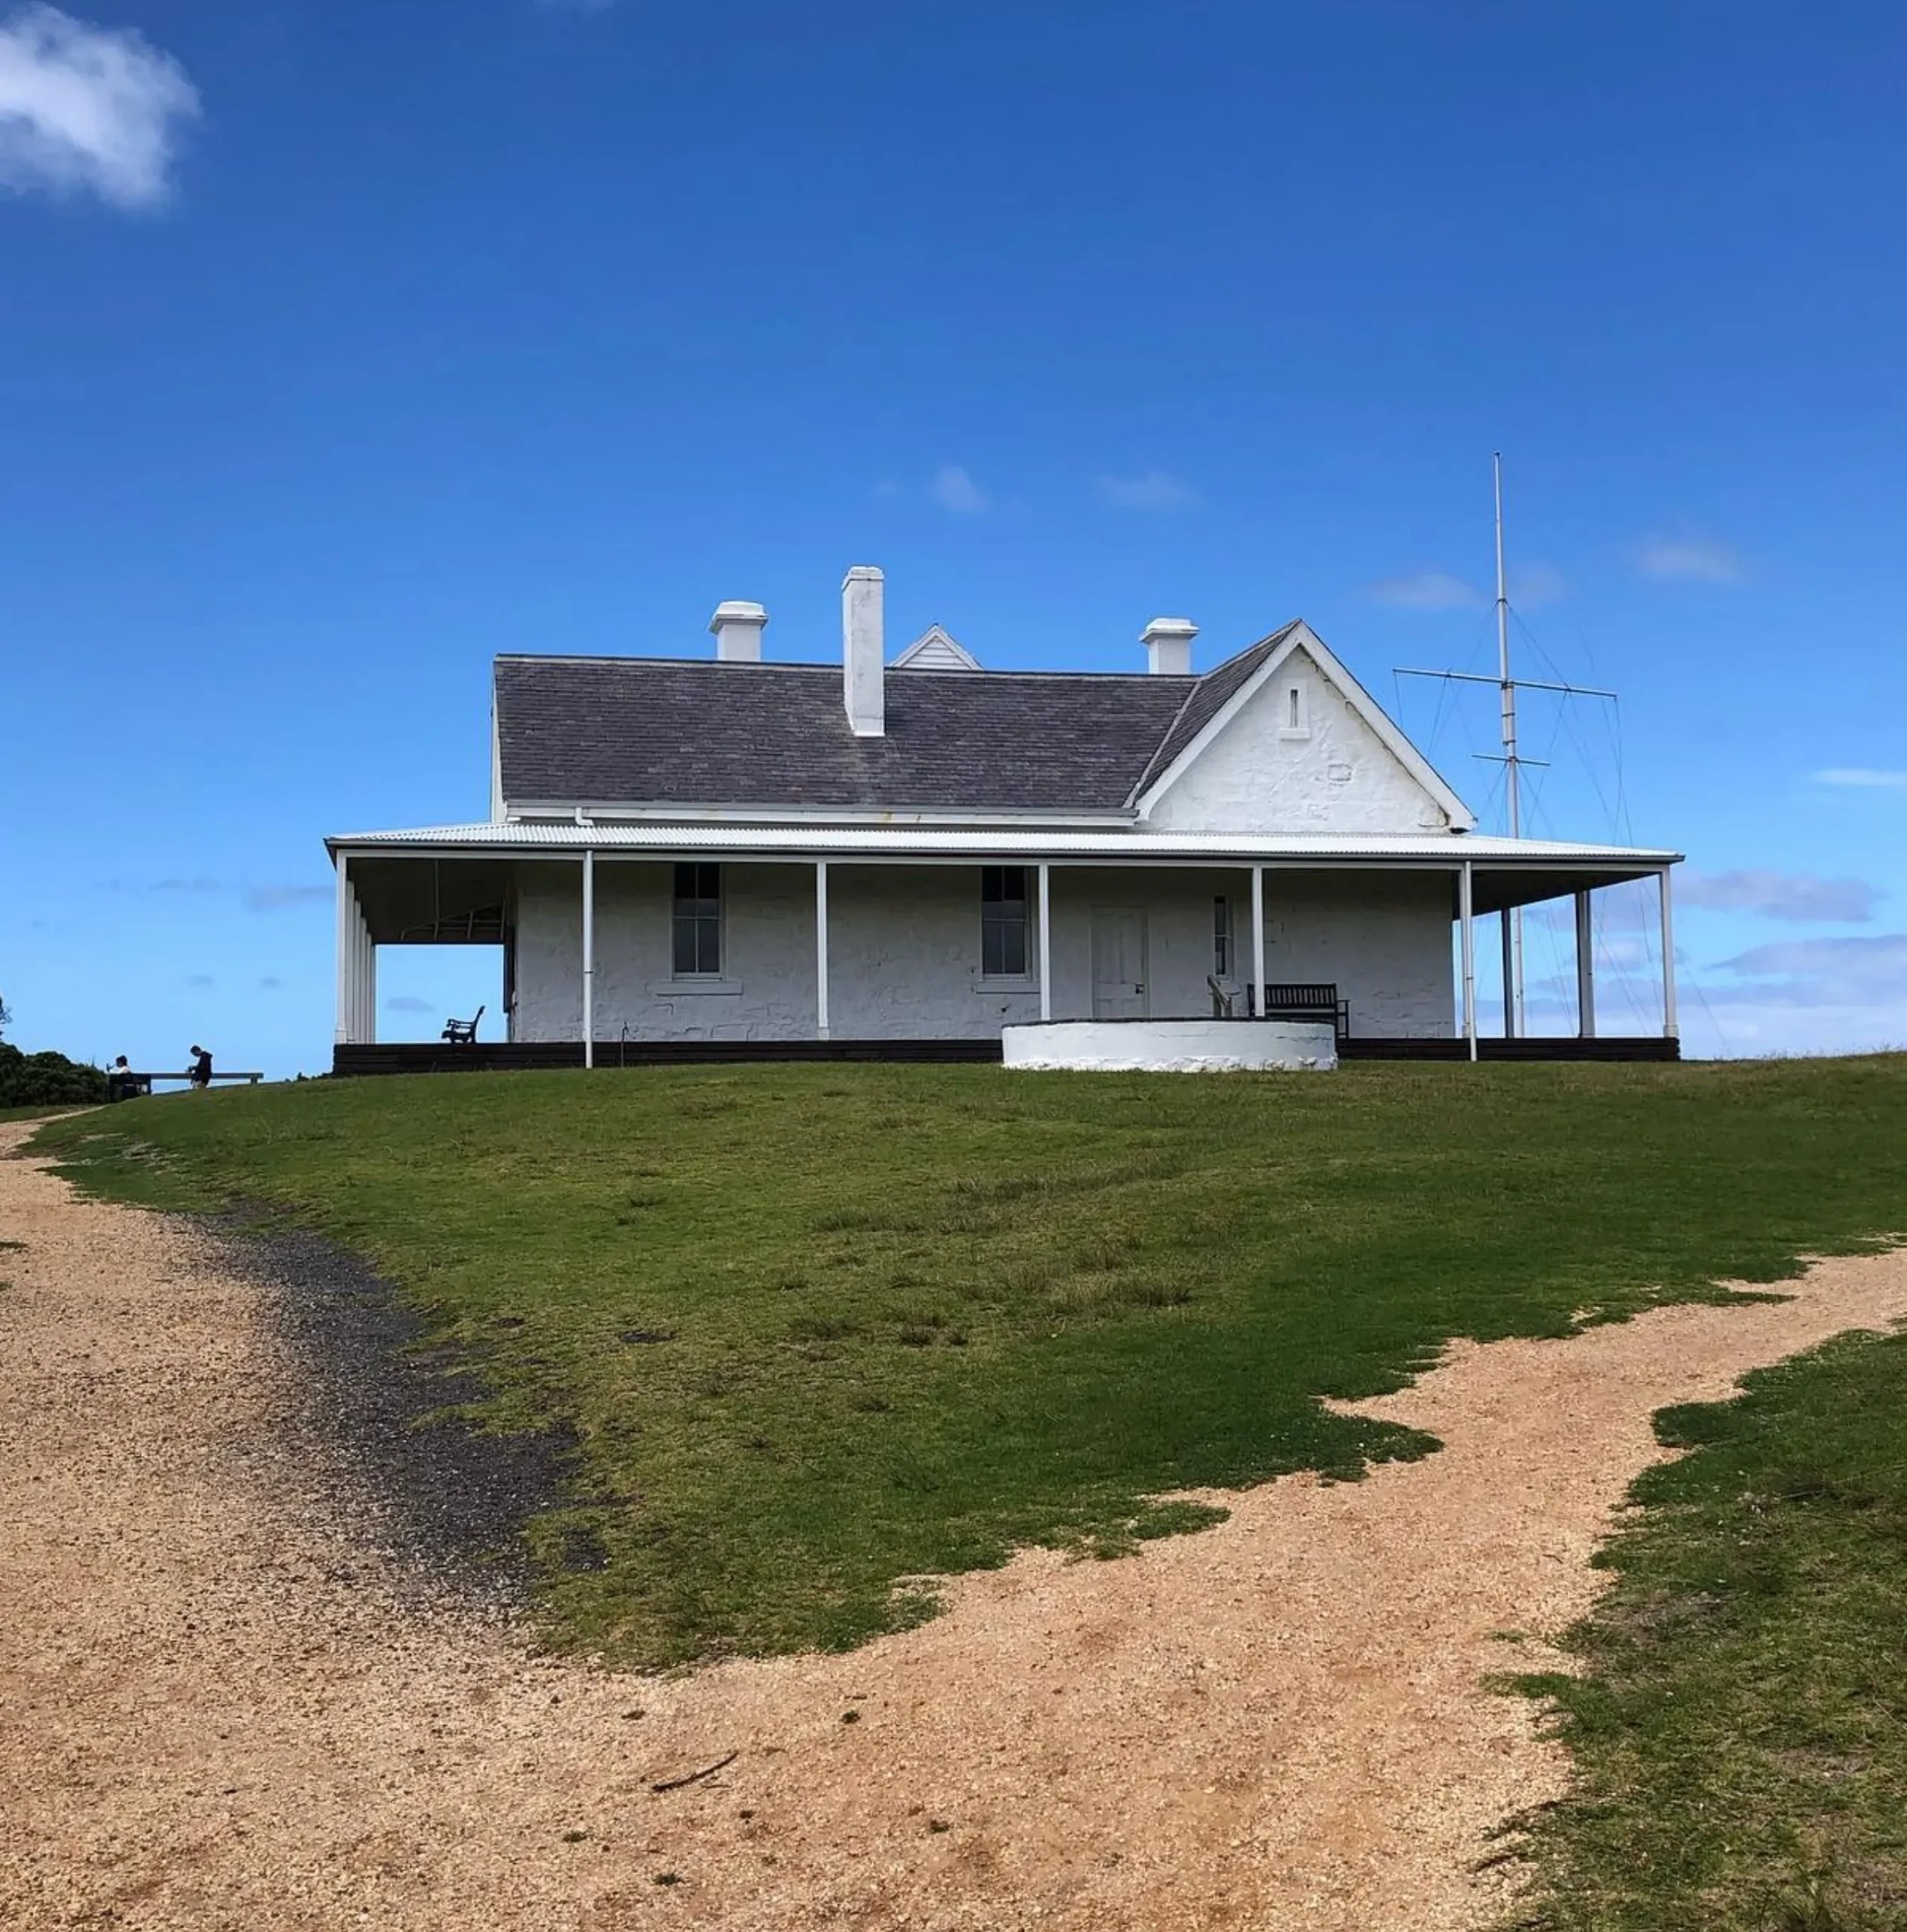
(1510, 759)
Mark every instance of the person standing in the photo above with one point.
(201, 1069)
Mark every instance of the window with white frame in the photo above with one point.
(698, 921)
(1002, 922)
(1221, 938)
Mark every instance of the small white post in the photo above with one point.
(1257, 1005)
(1466, 917)
(1671, 1028)
(346, 955)
(1586, 968)
(820, 949)
(1509, 974)
(367, 1030)
(589, 956)
(1046, 940)
(369, 984)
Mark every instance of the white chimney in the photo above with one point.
(1168, 646)
(862, 650)
(738, 629)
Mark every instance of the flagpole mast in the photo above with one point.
(1512, 919)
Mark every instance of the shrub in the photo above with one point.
(46, 1080)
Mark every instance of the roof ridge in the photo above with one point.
(1147, 678)
(1264, 643)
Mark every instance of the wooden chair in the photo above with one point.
(462, 1033)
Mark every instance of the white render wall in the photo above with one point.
(904, 949)
(1172, 1046)
(1332, 773)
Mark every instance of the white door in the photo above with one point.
(1119, 966)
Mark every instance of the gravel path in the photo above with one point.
(220, 1706)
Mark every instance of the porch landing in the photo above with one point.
(502, 1056)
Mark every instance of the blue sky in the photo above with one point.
(341, 346)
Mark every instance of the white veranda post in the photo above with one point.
(1466, 921)
(1256, 1004)
(357, 966)
(366, 1026)
(1585, 966)
(1671, 1026)
(346, 975)
(1046, 940)
(821, 949)
(589, 957)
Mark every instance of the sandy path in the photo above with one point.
(216, 1712)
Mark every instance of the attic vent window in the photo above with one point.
(698, 921)
(1293, 720)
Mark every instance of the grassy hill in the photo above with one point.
(914, 1316)
(817, 1331)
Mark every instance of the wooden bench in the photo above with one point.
(130, 1085)
(462, 1032)
(1305, 1000)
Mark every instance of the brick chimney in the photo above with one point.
(1168, 646)
(738, 629)
(863, 661)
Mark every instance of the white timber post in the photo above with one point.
(1509, 974)
(1671, 1026)
(589, 955)
(1046, 940)
(1467, 899)
(368, 983)
(821, 949)
(1585, 966)
(347, 957)
(1256, 1006)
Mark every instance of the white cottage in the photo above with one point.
(698, 858)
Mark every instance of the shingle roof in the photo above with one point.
(641, 730)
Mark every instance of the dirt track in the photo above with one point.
(219, 1708)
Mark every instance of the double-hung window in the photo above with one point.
(1002, 922)
(1222, 938)
(698, 921)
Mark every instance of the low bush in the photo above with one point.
(46, 1080)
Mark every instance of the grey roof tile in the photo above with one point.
(639, 730)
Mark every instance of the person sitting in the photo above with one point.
(200, 1075)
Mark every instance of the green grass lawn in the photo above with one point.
(914, 1317)
(1740, 1736)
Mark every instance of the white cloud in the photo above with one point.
(1859, 778)
(1794, 895)
(1426, 590)
(1534, 583)
(276, 898)
(953, 489)
(1154, 490)
(1688, 557)
(1820, 972)
(88, 109)
(407, 1003)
